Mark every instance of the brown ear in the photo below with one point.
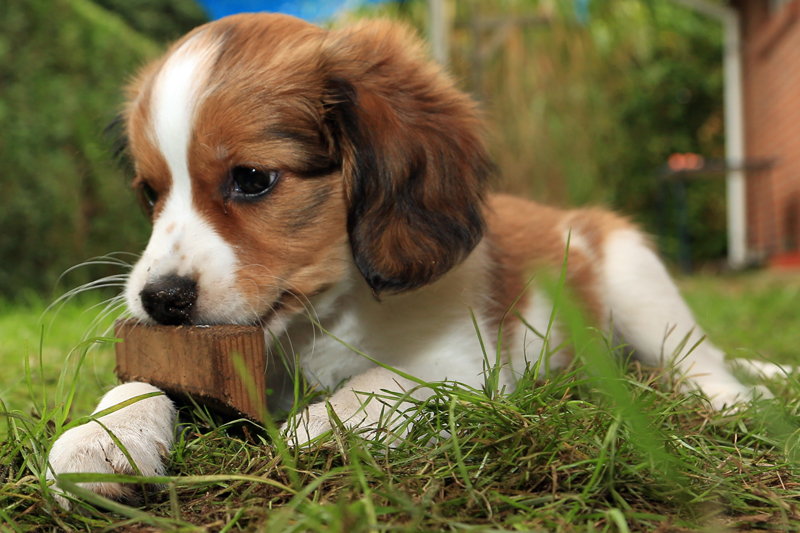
(413, 161)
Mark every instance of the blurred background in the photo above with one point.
(682, 114)
(589, 102)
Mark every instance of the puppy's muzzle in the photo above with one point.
(170, 300)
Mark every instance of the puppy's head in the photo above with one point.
(272, 155)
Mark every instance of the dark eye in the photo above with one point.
(149, 195)
(251, 181)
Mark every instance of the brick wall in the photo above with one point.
(771, 54)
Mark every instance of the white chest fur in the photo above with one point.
(428, 333)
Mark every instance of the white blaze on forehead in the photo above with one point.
(177, 94)
(183, 242)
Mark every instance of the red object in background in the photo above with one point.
(679, 162)
(785, 261)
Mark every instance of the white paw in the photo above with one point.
(314, 421)
(353, 410)
(375, 412)
(145, 429)
(730, 395)
(311, 423)
(763, 369)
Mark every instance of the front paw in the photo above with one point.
(316, 420)
(373, 413)
(307, 425)
(730, 395)
(145, 430)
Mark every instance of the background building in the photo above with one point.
(771, 72)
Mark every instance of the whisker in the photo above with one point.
(304, 301)
(111, 305)
(107, 260)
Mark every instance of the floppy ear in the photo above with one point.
(413, 161)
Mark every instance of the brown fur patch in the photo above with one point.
(413, 161)
(527, 237)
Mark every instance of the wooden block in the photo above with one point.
(198, 361)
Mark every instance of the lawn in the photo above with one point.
(600, 449)
(46, 339)
(749, 315)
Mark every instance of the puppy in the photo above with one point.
(297, 176)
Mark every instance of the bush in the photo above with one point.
(62, 200)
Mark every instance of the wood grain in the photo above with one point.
(198, 362)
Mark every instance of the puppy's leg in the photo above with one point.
(355, 405)
(145, 428)
(650, 314)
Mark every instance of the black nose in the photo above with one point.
(170, 300)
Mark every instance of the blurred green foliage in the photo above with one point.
(62, 199)
(667, 99)
(587, 113)
(161, 20)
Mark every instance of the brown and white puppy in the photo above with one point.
(293, 171)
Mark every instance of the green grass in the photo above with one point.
(46, 339)
(599, 449)
(751, 314)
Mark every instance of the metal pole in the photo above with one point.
(734, 145)
(734, 128)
